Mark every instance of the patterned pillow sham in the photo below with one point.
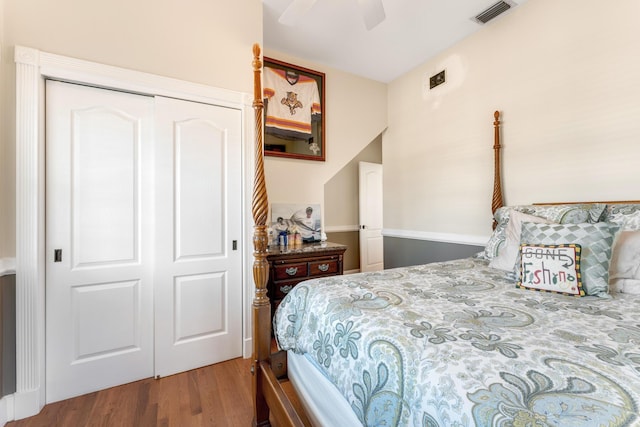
(624, 272)
(551, 268)
(561, 214)
(624, 214)
(596, 241)
(508, 254)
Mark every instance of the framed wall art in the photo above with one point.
(294, 122)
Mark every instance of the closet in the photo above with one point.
(143, 221)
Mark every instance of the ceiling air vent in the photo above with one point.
(493, 11)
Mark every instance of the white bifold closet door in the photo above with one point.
(142, 208)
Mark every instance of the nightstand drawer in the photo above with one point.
(290, 271)
(319, 268)
(282, 289)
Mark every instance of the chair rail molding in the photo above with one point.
(459, 239)
(7, 266)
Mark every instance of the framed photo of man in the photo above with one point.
(303, 219)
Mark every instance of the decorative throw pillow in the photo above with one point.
(596, 241)
(551, 268)
(624, 272)
(508, 254)
(561, 214)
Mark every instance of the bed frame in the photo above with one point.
(270, 402)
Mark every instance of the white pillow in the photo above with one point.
(506, 258)
(624, 271)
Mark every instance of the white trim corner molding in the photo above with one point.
(33, 67)
(30, 394)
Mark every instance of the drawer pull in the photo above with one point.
(323, 267)
(285, 289)
(291, 271)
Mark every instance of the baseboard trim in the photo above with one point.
(247, 348)
(28, 403)
(6, 409)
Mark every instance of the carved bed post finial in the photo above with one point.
(496, 201)
(260, 205)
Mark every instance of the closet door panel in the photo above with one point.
(99, 239)
(198, 301)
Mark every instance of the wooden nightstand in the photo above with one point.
(290, 265)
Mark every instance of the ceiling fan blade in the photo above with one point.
(294, 11)
(372, 12)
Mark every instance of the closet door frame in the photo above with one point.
(33, 67)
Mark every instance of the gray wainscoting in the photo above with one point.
(400, 252)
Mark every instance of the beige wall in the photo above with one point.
(355, 114)
(341, 203)
(565, 74)
(342, 191)
(204, 41)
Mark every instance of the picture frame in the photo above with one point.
(294, 124)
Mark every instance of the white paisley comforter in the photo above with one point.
(456, 344)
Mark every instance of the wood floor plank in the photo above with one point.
(146, 412)
(194, 392)
(216, 395)
(175, 406)
(236, 395)
(211, 405)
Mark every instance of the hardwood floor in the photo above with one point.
(216, 395)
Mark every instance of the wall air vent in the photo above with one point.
(493, 11)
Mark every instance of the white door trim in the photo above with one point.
(32, 68)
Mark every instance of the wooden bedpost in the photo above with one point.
(270, 399)
(496, 201)
(261, 306)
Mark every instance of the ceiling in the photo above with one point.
(333, 33)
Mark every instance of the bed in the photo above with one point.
(542, 328)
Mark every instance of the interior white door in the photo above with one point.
(198, 282)
(370, 206)
(99, 236)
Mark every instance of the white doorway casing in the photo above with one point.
(33, 67)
